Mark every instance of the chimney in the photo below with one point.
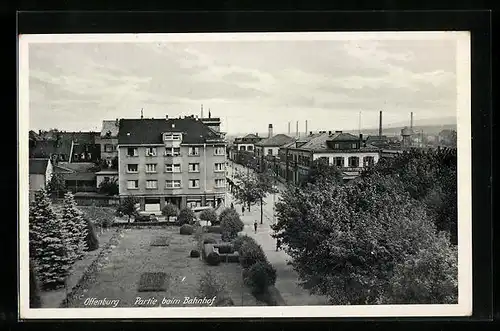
(306, 127)
(202, 111)
(297, 129)
(270, 130)
(288, 128)
(380, 125)
(329, 133)
(360, 139)
(142, 114)
(257, 134)
(166, 116)
(411, 120)
(310, 133)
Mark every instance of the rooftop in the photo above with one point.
(110, 129)
(275, 141)
(149, 131)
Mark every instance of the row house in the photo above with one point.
(180, 161)
(347, 152)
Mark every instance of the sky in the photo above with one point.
(248, 84)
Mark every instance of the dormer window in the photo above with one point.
(172, 137)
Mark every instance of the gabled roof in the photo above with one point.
(38, 166)
(250, 136)
(149, 131)
(76, 171)
(275, 141)
(341, 136)
(110, 129)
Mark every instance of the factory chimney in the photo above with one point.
(380, 125)
(306, 128)
(297, 129)
(411, 121)
(142, 114)
(270, 130)
(288, 128)
(202, 111)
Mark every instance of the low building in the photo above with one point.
(78, 177)
(40, 173)
(347, 152)
(247, 143)
(173, 160)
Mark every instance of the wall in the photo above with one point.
(161, 176)
(105, 141)
(246, 147)
(361, 155)
(48, 173)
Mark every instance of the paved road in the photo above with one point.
(287, 278)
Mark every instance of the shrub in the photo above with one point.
(210, 286)
(214, 229)
(260, 276)
(209, 215)
(170, 210)
(239, 241)
(186, 216)
(225, 248)
(209, 241)
(187, 229)
(230, 223)
(194, 253)
(233, 258)
(213, 258)
(251, 253)
(91, 240)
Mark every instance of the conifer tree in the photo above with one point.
(47, 242)
(75, 226)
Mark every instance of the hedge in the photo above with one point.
(260, 276)
(187, 229)
(194, 253)
(237, 242)
(251, 253)
(213, 258)
(214, 229)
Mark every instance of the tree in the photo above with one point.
(211, 287)
(230, 223)
(109, 186)
(128, 206)
(346, 240)
(186, 216)
(35, 299)
(429, 176)
(170, 210)
(253, 188)
(209, 215)
(92, 243)
(322, 171)
(57, 184)
(75, 227)
(47, 242)
(114, 163)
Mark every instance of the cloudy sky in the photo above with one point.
(248, 84)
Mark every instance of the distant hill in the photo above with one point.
(391, 131)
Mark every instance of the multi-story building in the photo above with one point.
(347, 152)
(247, 143)
(269, 147)
(40, 173)
(180, 161)
(108, 141)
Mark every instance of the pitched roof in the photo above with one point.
(341, 136)
(110, 128)
(275, 141)
(76, 171)
(250, 136)
(317, 142)
(38, 166)
(149, 131)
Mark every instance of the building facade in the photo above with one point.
(350, 154)
(180, 161)
(40, 173)
(108, 141)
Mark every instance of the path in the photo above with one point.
(287, 278)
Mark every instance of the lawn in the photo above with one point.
(119, 277)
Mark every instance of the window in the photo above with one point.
(106, 179)
(242, 148)
(151, 184)
(132, 184)
(338, 161)
(176, 151)
(220, 183)
(194, 151)
(172, 167)
(173, 136)
(194, 183)
(353, 161)
(173, 184)
(151, 151)
(250, 148)
(132, 151)
(354, 146)
(368, 161)
(150, 168)
(336, 146)
(132, 168)
(269, 151)
(108, 148)
(194, 167)
(219, 167)
(219, 151)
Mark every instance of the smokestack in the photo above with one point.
(202, 111)
(270, 130)
(411, 121)
(288, 128)
(380, 125)
(306, 127)
(142, 113)
(297, 129)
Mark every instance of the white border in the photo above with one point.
(464, 306)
